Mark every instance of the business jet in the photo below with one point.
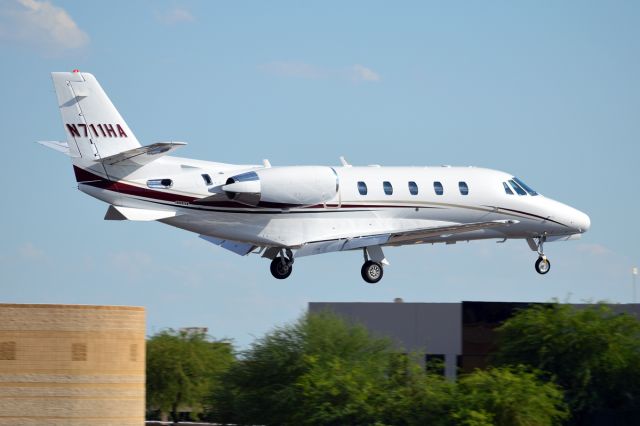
(286, 213)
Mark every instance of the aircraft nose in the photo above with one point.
(580, 221)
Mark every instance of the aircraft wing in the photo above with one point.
(235, 246)
(395, 237)
(142, 155)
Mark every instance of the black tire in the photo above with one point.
(543, 265)
(371, 272)
(280, 270)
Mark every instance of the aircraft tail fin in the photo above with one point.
(94, 127)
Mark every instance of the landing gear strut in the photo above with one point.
(371, 270)
(282, 265)
(542, 264)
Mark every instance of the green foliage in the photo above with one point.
(319, 370)
(413, 397)
(508, 397)
(322, 370)
(182, 369)
(325, 371)
(593, 353)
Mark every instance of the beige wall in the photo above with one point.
(72, 365)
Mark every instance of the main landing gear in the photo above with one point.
(372, 270)
(282, 265)
(542, 264)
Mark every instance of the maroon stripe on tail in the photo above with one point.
(83, 175)
(88, 178)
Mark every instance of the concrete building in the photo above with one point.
(72, 365)
(460, 334)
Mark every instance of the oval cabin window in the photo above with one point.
(362, 188)
(413, 188)
(388, 189)
(464, 188)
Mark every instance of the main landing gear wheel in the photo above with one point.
(281, 268)
(543, 265)
(372, 271)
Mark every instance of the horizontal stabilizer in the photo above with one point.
(128, 213)
(143, 155)
(62, 147)
(235, 246)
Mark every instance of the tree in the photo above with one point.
(182, 369)
(593, 353)
(509, 396)
(323, 370)
(413, 396)
(319, 370)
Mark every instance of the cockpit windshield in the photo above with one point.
(526, 187)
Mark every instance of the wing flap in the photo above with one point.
(396, 237)
(234, 246)
(142, 155)
(445, 231)
(342, 244)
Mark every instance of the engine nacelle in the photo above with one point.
(294, 186)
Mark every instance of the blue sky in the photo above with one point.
(548, 91)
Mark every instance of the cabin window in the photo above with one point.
(362, 188)
(437, 186)
(517, 188)
(160, 183)
(464, 188)
(207, 179)
(388, 189)
(525, 186)
(413, 188)
(507, 189)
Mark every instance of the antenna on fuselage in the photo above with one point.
(266, 163)
(344, 162)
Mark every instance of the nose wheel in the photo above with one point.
(372, 271)
(282, 266)
(542, 264)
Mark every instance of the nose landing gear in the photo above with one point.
(282, 265)
(542, 264)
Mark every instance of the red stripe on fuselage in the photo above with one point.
(88, 178)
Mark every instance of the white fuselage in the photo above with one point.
(310, 209)
(344, 214)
